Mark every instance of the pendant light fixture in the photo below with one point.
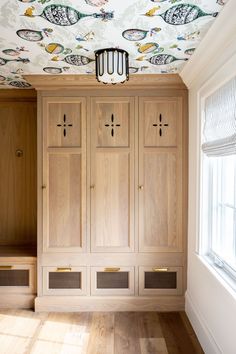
(112, 65)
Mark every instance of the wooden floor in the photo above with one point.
(23, 332)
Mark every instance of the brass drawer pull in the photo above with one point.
(160, 269)
(5, 267)
(111, 269)
(63, 270)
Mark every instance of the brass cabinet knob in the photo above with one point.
(43, 186)
(140, 187)
(92, 186)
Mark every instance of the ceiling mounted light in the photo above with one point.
(112, 65)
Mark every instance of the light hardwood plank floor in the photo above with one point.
(27, 332)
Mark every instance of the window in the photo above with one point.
(218, 196)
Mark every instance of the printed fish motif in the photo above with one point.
(26, 1)
(52, 70)
(133, 69)
(184, 13)
(30, 11)
(96, 2)
(87, 37)
(147, 47)
(135, 34)
(5, 61)
(152, 11)
(188, 36)
(63, 15)
(32, 35)
(189, 51)
(19, 84)
(2, 78)
(54, 48)
(78, 60)
(163, 59)
(175, 46)
(11, 52)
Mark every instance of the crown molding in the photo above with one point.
(52, 82)
(217, 46)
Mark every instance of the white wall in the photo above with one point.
(210, 303)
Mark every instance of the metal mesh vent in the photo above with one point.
(65, 280)
(159, 280)
(112, 280)
(18, 277)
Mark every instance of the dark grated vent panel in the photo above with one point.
(112, 280)
(67, 280)
(160, 280)
(18, 277)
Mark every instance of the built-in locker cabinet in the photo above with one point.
(64, 174)
(160, 174)
(112, 202)
(112, 174)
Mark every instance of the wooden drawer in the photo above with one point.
(112, 281)
(160, 280)
(17, 278)
(64, 281)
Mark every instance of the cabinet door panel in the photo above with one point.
(112, 124)
(64, 124)
(64, 200)
(159, 201)
(112, 174)
(160, 175)
(111, 212)
(160, 122)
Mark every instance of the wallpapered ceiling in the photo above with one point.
(60, 37)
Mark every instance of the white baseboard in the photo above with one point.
(200, 327)
(105, 303)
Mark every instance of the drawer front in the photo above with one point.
(160, 280)
(112, 281)
(15, 278)
(64, 281)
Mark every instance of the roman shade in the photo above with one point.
(219, 131)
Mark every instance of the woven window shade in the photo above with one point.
(219, 132)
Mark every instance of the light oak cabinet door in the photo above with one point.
(64, 174)
(112, 174)
(160, 174)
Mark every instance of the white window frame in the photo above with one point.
(221, 77)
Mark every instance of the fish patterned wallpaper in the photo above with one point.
(60, 37)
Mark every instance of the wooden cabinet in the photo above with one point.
(112, 174)
(64, 174)
(112, 199)
(160, 174)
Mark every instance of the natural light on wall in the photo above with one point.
(218, 196)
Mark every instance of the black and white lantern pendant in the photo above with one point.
(112, 65)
